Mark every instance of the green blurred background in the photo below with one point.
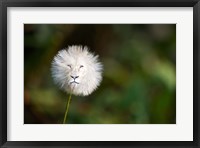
(139, 78)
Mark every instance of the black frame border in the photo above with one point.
(99, 3)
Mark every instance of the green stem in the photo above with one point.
(67, 108)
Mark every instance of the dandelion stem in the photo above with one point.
(67, 108)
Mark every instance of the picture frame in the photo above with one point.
(195, 4)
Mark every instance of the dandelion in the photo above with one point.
(76, 71)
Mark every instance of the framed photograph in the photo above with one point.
(99, 73)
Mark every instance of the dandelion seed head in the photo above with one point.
(76, 70)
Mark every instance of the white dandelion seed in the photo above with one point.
(76, 70)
